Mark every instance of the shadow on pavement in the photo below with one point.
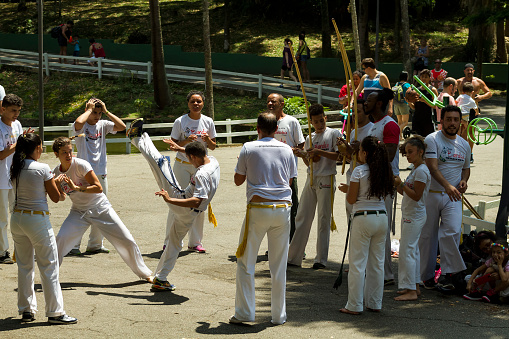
(226, 328)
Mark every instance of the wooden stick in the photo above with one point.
(307, 111)
(471, 208)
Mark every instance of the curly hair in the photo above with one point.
(60, 142)
(25, 145)
(195, 92)
(414, 140)
(381, 178)
(12, 100)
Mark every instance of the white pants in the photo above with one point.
(110, 225)
(318, 194)
(34, 233)
(276, 224)
(183, 173)
(366, 258)
(95, 239)
(6, 201)
(409, 272)
(388, 273)
(442, 228)
(180, 219)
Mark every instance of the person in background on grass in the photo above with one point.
(76, 52)
(32, 232)
(10, 130)
(64, 37)
(422, 54)
(91, 133)
(95, 51)
(288, 63)
(302, 57)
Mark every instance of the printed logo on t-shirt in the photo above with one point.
(193, 130)
(193, 181)
(66, 188)
(94, 137)
(450, 154)
(323, 146)
(281, 134)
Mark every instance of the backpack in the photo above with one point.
(399, 93)
(55, 31)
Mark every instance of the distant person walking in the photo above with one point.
(303, 55)
(64, 37)
(287, 63)
(401, 109)
(95, 51)
(373, 80)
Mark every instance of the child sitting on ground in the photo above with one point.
(495, 271)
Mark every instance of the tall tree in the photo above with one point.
(226, 46)
(161, 91)
(363, 28)
(355, 29)
(22, 6)
(405, 29)
(326, 39)
(501, 47)
(209, 89)
(397, 27)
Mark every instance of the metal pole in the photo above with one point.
(501, 220)
(41, 70)
(377, 30)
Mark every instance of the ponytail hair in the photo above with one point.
(25, 145)
(381, 178)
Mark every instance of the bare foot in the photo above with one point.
(418, 291)
(402, 291)
(410, 295)
(150, 279)
(347, 311)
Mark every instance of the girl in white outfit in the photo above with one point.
(370, 183)
(76, 178)
(190, 127)
(32, 231)
(413, 216)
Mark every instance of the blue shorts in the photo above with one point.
(76, 53)
(304, 58)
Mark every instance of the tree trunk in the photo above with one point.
(226, 46)
(481, 36)
(397, 28)
(209, 89)
(355, 29)
(405, 28)
(363, 28)
(161, 92)
(22, 6)
(326, 39)
(501, 47)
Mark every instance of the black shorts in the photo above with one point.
(284, 68)
(62, 41)
(472, 115)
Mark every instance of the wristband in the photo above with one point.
(402, 184)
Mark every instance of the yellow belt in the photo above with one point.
(31, 212)
(182, 161)
(432, 191)
(243, 244)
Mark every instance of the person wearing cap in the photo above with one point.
(479, 85)
(438, 75)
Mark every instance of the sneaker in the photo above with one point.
(389, 282)
(429, 284)
(493, 299)
(318, 266)
(160, 285)
(27, 317)
(136, 128)
(471, 158)
(74, 253)
(97, 251)
(445, 283)
(281, 86)
(6, 258)
(62, 320)
(475, 296)
(198, 249)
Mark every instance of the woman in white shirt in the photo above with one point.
(370, 183)
(32, 231)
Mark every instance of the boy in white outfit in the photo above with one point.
(324, 155)
(10, 129)
(187, 205)
(92, 148)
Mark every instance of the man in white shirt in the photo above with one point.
(267, 166)
(289, 132)
(447, 157)
(2, 94)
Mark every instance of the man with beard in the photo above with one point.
(478, 86)
(447, 157)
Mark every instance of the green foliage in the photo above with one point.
(294, 106)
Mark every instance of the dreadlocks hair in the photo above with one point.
(60, 142)
(414, 140)
(25, 145)
(381, 178)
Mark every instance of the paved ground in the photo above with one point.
(110, 301)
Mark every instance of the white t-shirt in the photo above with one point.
(8, 136)
(204, 183)
(325, 141)
(361, 175)
(92, 147)
(184, 126)
(361, 134)
(31, 192)
(465, 102)
(411, 209)
(268, 165)
(2, 93)
(453, 156)
(81, 201)
(382, 129)
(289, 132)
